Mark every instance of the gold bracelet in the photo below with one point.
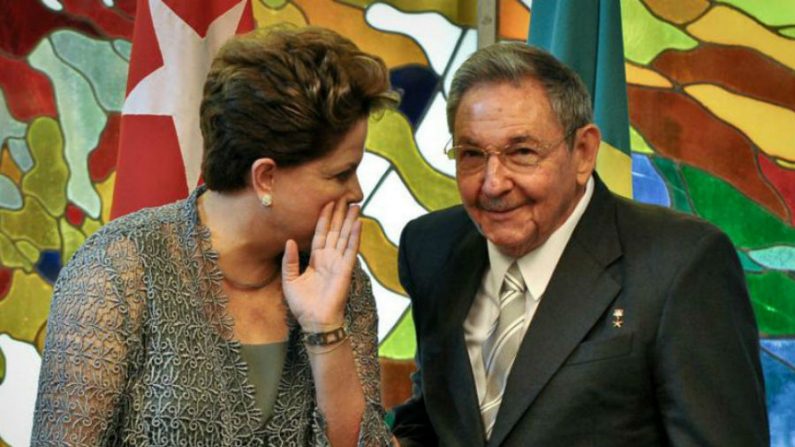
(325, 349)
(325, 338)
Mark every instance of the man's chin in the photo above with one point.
(510, 246)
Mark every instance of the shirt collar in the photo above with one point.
(538, 265)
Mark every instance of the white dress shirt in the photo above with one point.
(536, 268)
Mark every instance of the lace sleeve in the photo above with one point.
(363, 324)
(92, 332)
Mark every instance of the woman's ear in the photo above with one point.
(263, 172)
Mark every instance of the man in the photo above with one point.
(550, 312)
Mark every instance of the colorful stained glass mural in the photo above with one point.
(711, 87)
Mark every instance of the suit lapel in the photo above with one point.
(453, 380)
(578, 294)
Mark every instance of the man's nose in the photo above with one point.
(496, 177)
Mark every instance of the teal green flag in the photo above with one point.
(586, 35)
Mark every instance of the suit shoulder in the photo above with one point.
(440, 228)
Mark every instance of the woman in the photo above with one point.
(198, 323)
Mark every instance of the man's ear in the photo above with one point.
(586, 146)
(263, 172)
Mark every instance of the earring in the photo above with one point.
(266, 200)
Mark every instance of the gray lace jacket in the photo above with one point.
(139, 348)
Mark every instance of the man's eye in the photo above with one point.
(468, 152)
(521, 151)
(524, 156)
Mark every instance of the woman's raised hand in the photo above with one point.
(317, 297)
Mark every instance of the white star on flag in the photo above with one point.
(175, 89)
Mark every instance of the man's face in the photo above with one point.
(518, 209)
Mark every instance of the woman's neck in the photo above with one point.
(247, 252)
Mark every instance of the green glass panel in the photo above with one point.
(10, 197)
(676, 187)
(747, 223)
(772, 297)
(82, 122)
(102, 66)
(775, 13)
(646, 36)
(401, 343)
(748, 264)
(9, 127)
(123, 48)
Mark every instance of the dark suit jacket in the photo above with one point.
(683, 369)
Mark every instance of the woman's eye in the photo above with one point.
(344, 175)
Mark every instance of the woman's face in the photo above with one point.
(300, 192)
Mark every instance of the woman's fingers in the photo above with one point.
(322, 226)
(290, 266)
(335, 227)
(350, 218)
(352, 247)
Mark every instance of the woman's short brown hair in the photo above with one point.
(289, 94)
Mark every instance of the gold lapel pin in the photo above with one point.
(618, 317)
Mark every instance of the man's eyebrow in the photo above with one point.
(516, 139)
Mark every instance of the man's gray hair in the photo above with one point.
(514, 62)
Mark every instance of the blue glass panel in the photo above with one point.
(780, 388)
(417, 86)
(647, 185)
(49, 265)
(783, 348)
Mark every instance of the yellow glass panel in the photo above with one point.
(728, 26)
(105, 191)
(8, 166)
(396, 50)
(785, 164)
(769, 126)
(513, 20)
(72, 240)
(615, 169)
(401, 344)
(639, 75)
(90, 226)
(638, 143)
(460, 12)
(29, 251)
(11, 257)
(40, 336)
(679, 11)
(47, 179)
(266, 16)
(380, 254)
(31, 223)
(25, 308)
(391, 137)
